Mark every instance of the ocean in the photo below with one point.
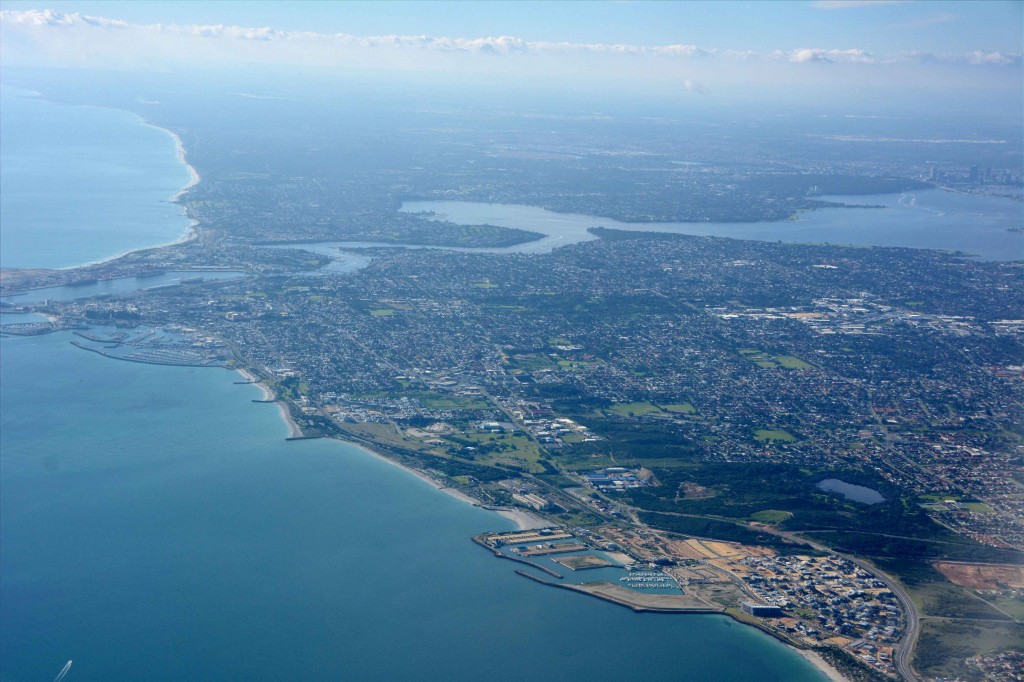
(83, 184)
(155, 524)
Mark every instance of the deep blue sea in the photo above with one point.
(82, 184)
(155, 525)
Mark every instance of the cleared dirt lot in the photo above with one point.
(983, 576)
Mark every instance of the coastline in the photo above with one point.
(255, 381)
(815, 659)
(523, 519)
(190, 232)
(294, 431)
(179, 147)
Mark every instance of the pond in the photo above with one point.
(857, 493)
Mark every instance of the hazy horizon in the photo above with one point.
(867, 56)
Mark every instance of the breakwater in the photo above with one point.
(478, 539)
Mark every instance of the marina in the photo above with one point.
(154, 347)
(119, 286)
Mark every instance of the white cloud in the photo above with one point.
(854, 4)
(978, 57)
(504, 45)
(822, 56)
(694, 86)
(51, 38)
(221, 31)
(48, 17)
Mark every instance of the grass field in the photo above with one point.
(634, 409)
(531, 362)
(574, 364)
(382, 312)
(1011, 605)
(945, 644)
(937, 497)
(573, 438)
(440, 402)
(792, 362)
(768, 361)
(773, 436)
(680, 408)
(945, 599)
(513, 450)
(772, 516)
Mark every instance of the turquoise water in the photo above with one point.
(155, 525)
(21, 318)
(82, 184)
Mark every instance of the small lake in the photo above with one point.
(120, 285)
(857, 493)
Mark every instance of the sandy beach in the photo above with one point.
(253, 379)
(191, 232)
(293, 429)
(183, 159)
(523, 519)
(821, 664)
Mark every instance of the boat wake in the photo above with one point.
(63, 672)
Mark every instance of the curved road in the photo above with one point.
(913, 628)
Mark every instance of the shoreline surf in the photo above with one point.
(190, 231)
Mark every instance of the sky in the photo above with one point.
(694, 47)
